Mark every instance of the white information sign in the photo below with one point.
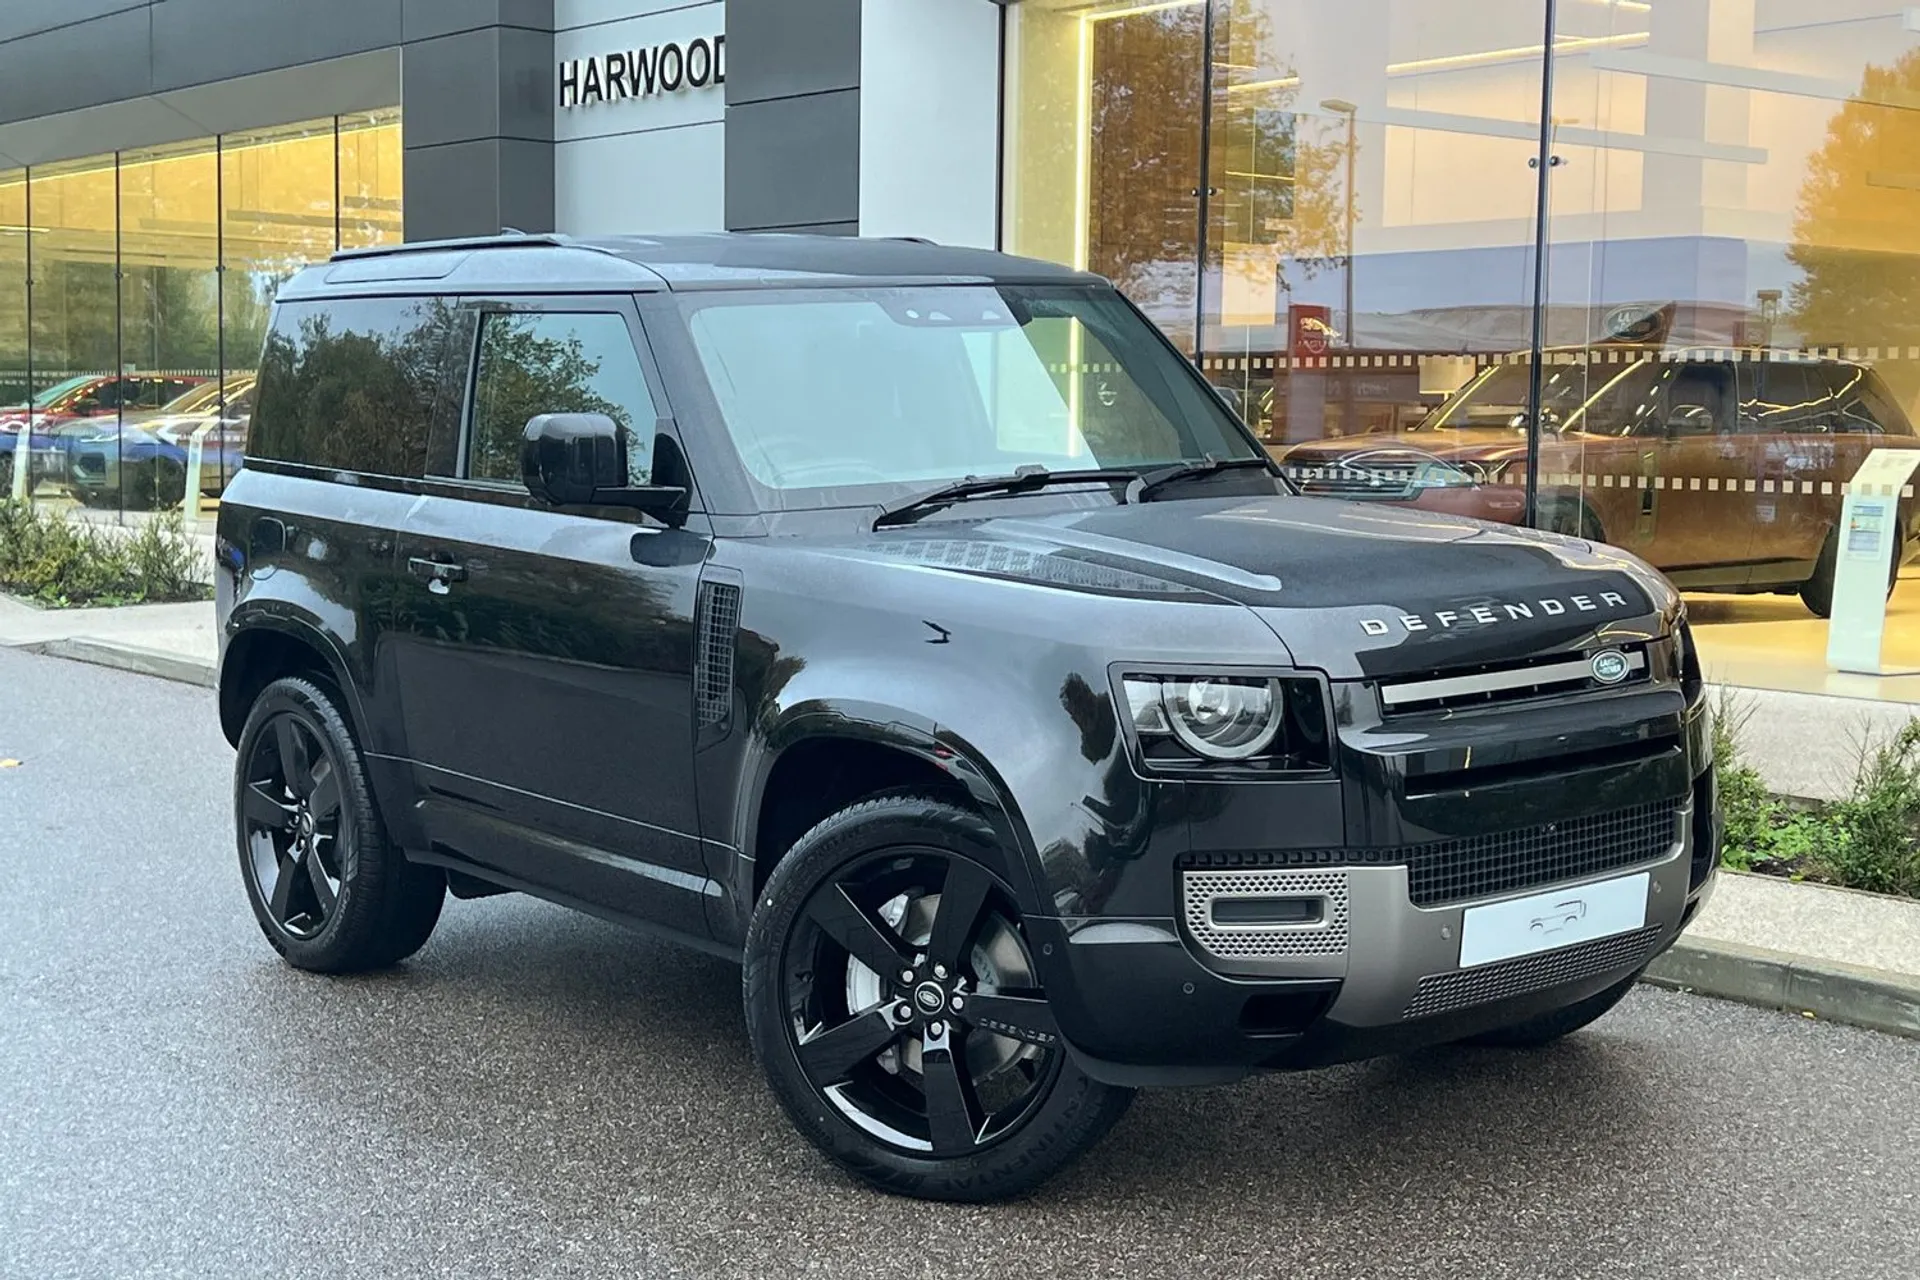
(1869, 532)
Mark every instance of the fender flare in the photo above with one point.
(277, 617)
(911, 734)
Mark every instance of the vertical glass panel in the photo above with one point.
(74, 319)
(1370, 207)
(370, 161)
(169, 339)
(278, 212)
(1735, 246)
(1103, 146)
(13, 312)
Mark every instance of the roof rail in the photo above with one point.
(914, 239)
(506, 239)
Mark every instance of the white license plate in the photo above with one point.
(1544, 921)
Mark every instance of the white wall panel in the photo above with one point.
(930, 120)
(659, 181)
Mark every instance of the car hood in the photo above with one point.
(1353, 589)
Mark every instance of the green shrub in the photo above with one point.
(1868, 840)
(1879, 821)
(59, 562)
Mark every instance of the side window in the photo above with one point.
(553, 362)
(1782, 398)
(1699, 399)
(1861, 406)
(351, 384)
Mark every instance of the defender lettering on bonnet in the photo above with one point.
(1484, 615)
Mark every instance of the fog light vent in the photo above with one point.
(1266, 914)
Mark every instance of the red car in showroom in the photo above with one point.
(1726, 474)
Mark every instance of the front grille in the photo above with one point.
(1446, 992)
(1353, 482)
(1448, 871)
(1573, 849)
(1495, 684)
(1327, 936)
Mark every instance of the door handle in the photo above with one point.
(438, 573)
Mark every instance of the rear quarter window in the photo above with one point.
(354, 385)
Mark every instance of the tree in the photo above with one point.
(1856, 229)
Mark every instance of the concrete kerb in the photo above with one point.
(129, 657)
(1826, 989)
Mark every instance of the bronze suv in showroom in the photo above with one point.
(1725, 474)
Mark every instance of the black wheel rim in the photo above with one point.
(291, 814)
(913, 1006)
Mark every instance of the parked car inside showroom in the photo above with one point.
(78, 403)
(914, 626)
(140, 460)
(1725, 474)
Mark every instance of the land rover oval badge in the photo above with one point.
(1609, 667)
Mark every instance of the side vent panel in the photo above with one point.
(716, 625)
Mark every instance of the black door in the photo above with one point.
(546, 671)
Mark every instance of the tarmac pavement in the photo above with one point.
(541, 1094)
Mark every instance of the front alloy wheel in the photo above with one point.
(895, 1003)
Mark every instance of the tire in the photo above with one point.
(331, 893)
(1548, 1027)
(838, 1036)
(1573, 518)
(1817, 592)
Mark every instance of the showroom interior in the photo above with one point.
(1694, 223)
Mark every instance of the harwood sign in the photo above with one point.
(667, 67)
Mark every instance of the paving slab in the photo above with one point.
(1813, 920)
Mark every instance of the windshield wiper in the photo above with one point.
(1022, 480)
(1147, 482)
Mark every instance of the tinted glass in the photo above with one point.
(1777, 396)
(823, 389)
(1861, 405)
(1607, 399)
(535, 363)
(351, 384)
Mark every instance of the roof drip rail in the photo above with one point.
(914, 239)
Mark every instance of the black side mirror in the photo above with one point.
(580, 460)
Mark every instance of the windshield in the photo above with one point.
(205, 398)
(826, 389)
(1596, 398)
(59, 389)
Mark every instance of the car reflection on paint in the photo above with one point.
(1726, 474)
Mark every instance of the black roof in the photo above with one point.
(558, 263)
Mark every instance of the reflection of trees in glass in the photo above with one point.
(351, 385)
(1856, 230)
(1277, 184)
(1273, 184)
(522, 375)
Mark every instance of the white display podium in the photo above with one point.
(1869, 532)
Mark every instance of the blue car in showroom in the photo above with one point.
(140, 461)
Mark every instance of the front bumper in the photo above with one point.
(1142, 1001)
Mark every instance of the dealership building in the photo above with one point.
(1368, 222)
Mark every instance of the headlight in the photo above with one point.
(1264, 721)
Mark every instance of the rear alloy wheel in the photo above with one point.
(328, 889)
(893, 1001)
(1817, 592)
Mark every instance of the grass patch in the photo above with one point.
(60, 563)
(1870, 839)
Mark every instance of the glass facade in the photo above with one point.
(1682, 334)
(134, 290)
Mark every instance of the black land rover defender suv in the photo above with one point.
(916, 624)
